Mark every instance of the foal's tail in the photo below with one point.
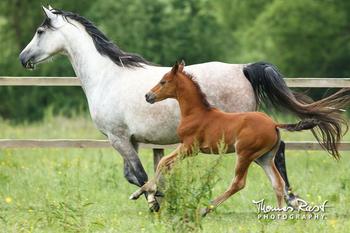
(322, 117)
(301, 125)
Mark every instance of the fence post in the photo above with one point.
(157, 155)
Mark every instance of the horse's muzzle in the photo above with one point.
(26, 60)
(150, 97)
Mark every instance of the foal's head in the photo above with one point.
(166, 88)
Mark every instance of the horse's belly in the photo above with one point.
(158, 139)
(155, 123)
(161, 133)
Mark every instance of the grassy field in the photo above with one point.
(83, 190)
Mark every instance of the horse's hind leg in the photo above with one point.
(280, 163)
(238, 183)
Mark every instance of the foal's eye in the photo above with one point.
(40, 31)
(162, 82)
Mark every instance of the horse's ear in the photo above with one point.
(48, 13)
(175, 67)
(181, 66)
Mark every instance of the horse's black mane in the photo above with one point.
(199, 89)
(102, 44)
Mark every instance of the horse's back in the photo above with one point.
(225, 86)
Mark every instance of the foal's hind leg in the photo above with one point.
(267, 163)
(237, 184)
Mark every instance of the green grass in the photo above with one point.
(83, 190)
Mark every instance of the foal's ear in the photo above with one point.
(181, 66)
(175, 67)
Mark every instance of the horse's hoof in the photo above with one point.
(292, 201)
(154, 206)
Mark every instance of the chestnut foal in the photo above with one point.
(254, 136)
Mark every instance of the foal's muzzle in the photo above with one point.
(150, 97)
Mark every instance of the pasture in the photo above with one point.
(83, 190)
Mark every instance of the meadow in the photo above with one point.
(83, 190)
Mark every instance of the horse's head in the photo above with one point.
(166, 88)
(47, 41)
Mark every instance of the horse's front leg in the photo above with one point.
(133, 169)
(150, 187)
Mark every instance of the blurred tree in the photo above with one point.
(162, 31)
(234, 15)
(303, 37)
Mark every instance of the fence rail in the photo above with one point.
(91, 143)
(158, 150)
(73, 81)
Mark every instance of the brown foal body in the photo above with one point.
(208, 126)
(254, 136)
(251, 135)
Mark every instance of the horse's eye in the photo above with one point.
(162, 82)
(40, 31)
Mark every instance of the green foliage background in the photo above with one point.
(307, 38)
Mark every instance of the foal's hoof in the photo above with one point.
(136, 195)
(204, 211)
(154, 206)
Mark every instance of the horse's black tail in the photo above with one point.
(269, 87)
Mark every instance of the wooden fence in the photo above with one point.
(72, 81)
(158, 150)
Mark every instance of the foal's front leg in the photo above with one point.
(151, 186)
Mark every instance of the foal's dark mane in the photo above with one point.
(103, 45)
(199, 89)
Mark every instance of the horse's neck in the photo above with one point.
(189, 98)
(89, 65)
